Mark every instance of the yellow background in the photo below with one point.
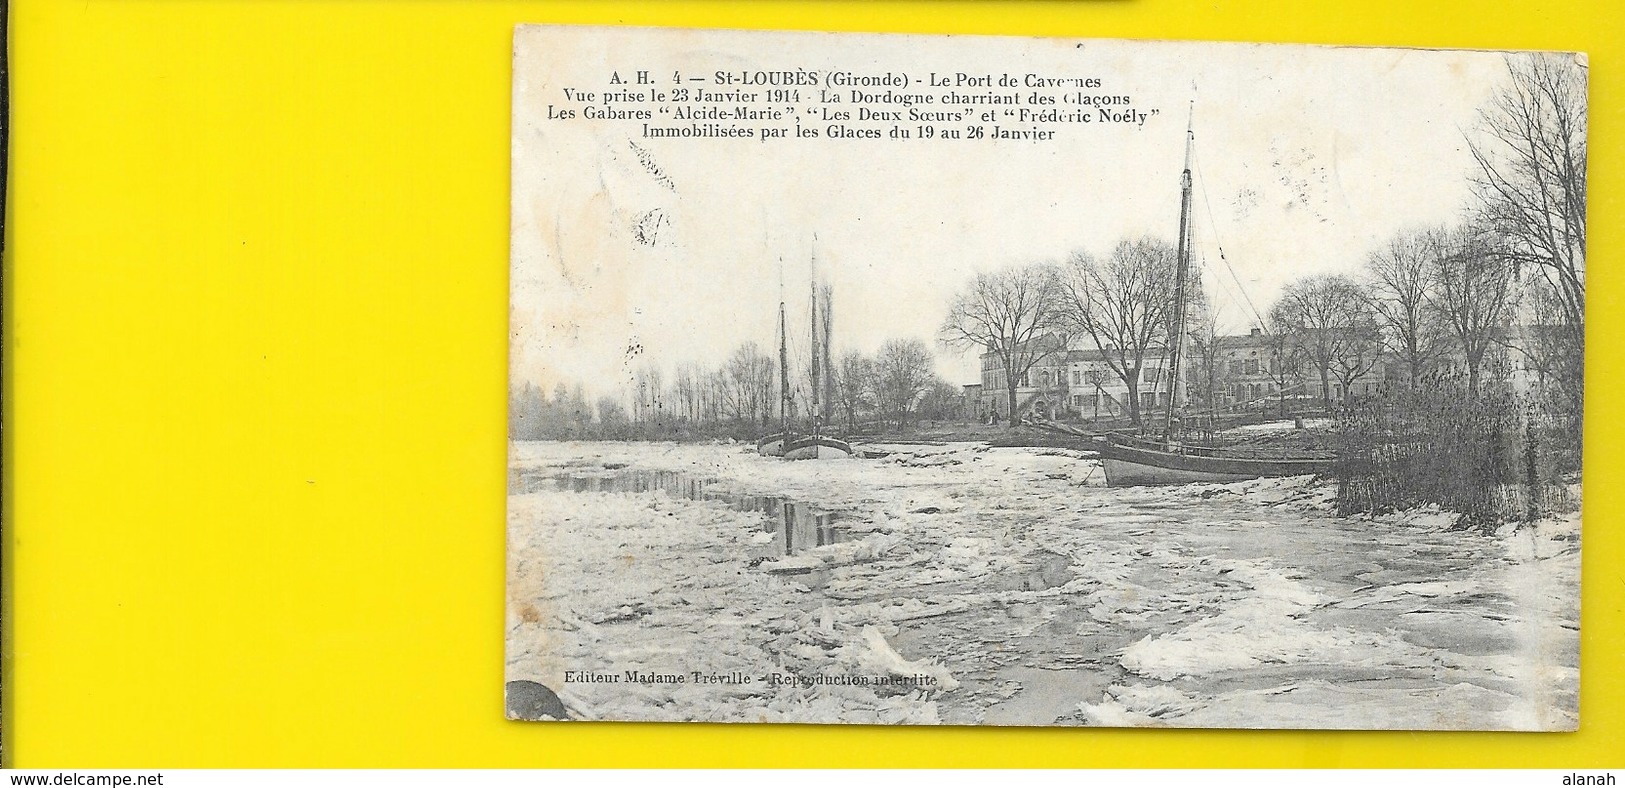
(256, 315)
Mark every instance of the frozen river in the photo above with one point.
(962, 584)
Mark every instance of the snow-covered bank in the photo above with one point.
(972, 584)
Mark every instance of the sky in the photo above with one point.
(1307, 159)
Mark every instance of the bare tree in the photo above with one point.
(687, 390)
(1546, 344)
(750, 381)
(1472, 291)
(1331, 322)
(903, 373)
(715, 390)
(1531, 154)
(1284, 361)
(1208, 347)
(1362, 347)
(1124, 304)
(940, 401)
(580, 413)
(528, 412)
(1400, 279)
(1005, 314)
(648, 402)
(854, 385)
(611, 415)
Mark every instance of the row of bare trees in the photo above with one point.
(1443, 296)
(893, 388)
(1508, 281)
(742, 390)
(1502, 287)
(1510, 276)
(1430, 298)
(1531, 188)
(740, 397)
(1432, 302)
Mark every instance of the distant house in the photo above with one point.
(1041, 390)
(1094, 390)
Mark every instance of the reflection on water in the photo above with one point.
(796, 525)
(801, 527)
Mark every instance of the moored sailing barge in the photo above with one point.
(1131, 460)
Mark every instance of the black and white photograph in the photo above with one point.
(964, 380)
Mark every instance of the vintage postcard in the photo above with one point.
(999, 381)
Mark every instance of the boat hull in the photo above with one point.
(1127, 473)
(1128, 466)
(817, 447)
(773, 445)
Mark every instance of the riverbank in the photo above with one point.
(1283, 435)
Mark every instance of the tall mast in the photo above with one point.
(1176, 342)
(784, 370)
(829, 355)
(813, 411)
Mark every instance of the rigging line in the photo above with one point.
(1240, 288)
(1202, 263)
(1213, 221)
(1208, 203)
(1229, 290)
(1226, 288)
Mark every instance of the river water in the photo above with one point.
(1007, 586)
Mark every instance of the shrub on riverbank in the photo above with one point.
(1494, 456)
